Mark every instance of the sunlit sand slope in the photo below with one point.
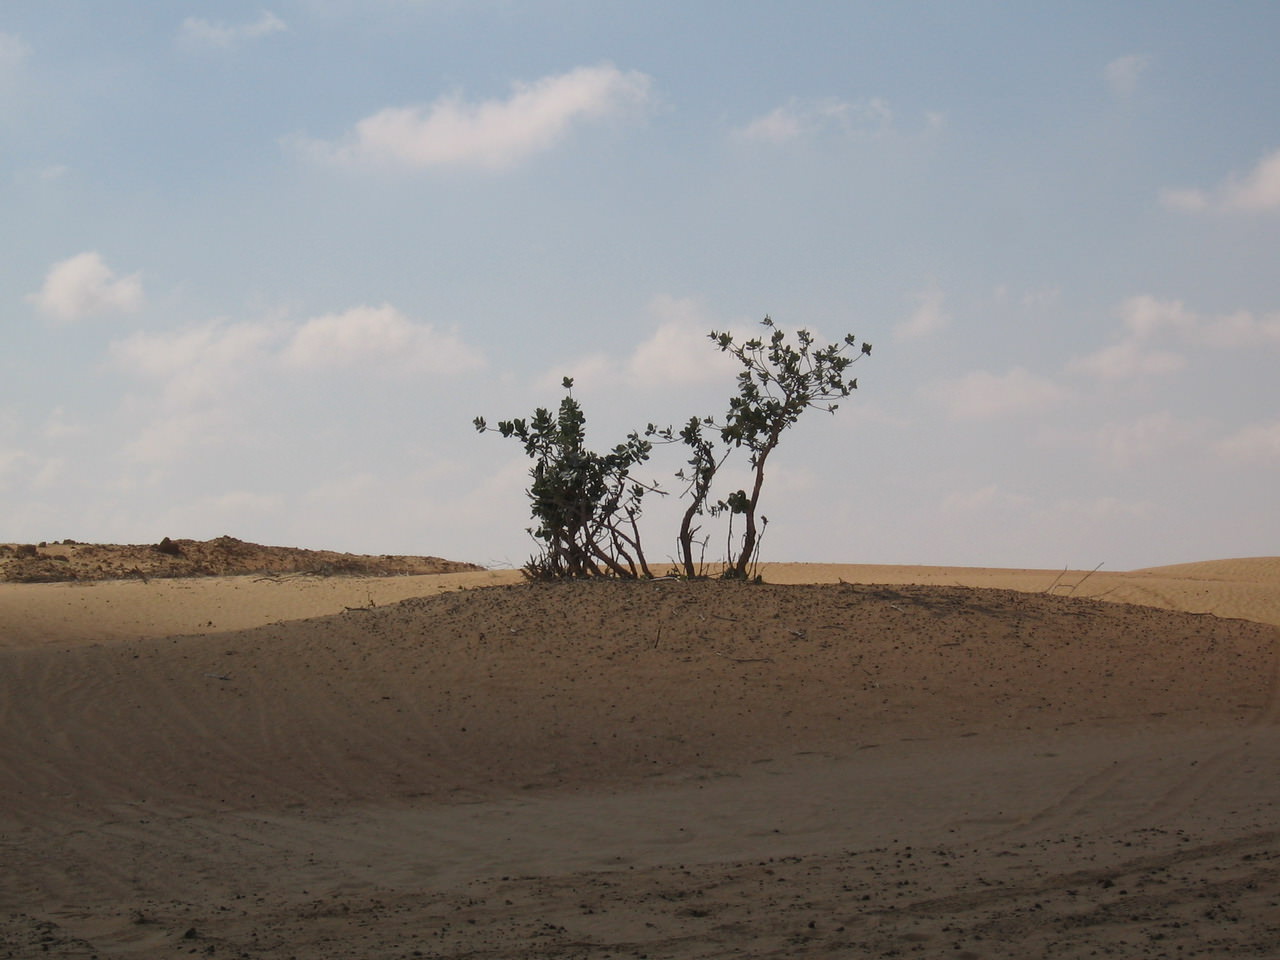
(682, 770)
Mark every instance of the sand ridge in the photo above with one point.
(70, 560)
(670, 769)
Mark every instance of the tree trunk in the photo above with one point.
(687, 531)
(749, 536)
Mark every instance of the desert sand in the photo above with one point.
(846, 761)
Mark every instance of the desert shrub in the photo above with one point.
(778, 383)
(586, 505)
(699, 472)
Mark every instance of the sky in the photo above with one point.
(262, 265)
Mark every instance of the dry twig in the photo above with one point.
(744, 659)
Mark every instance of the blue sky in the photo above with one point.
(262, 265)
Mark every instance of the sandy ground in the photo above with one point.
(989, 763)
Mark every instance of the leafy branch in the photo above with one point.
(587, 505)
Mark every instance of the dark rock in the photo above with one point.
(167, 546)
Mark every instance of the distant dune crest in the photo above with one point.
(221, 557)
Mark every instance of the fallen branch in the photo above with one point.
(744, 659)
(1085, 577)
(1049, 588)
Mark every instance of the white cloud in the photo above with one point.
(778, 126)
(1146, 316)
(1240, 329)
(377, 337)
(928, 318)
(985, 396)
(205, 379)
(1254, 443)
(589, 371)
(1143, 317)
(13, 53)
(1123, 73)
(209, 377)
(803, 118)
(83, 286)
(22, 470)
(677, 354)
(12, 460)
(201, 361)
(1256, 191)
(1075, 512)
(57, 427)
(679, 351)
(1126, 360)
(988, 499)
(1124, 444)
(197, 32)
(1147, 320)
(171, 435)
(195, 351)
(49, 474)
(491, 133)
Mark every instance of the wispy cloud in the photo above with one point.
(1123, 73)
(84, 286)
(13, 53)
(1128, 443)
(678, 353)
(1129, 358)
(199, 361)
(1151, 328)
(200, 375)
(204, 33)
(1256, 192)
(207, 377)
(981, 395)
(929, 317)
(1258, 442)
(798, 119)
(991, 498)
(451, 132)
(380, 337)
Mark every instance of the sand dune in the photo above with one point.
(847, 761)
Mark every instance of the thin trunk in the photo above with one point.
(635, 530)
(687, 530)
(749, 536)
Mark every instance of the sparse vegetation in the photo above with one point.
(586, 506)
(778, 383)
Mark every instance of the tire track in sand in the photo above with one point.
(1239, 747)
